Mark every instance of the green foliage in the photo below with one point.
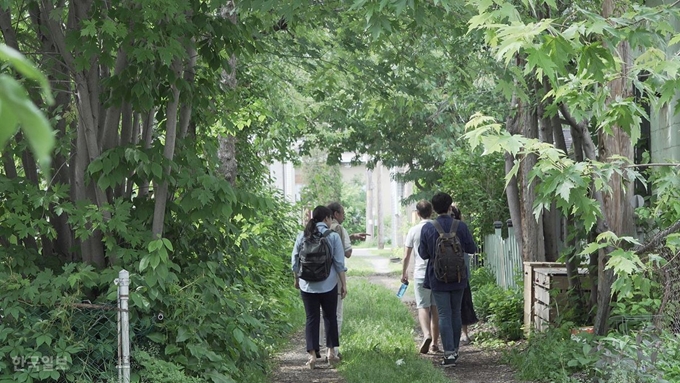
(41, 317)
(414, 91)
(556, 355)
(354, 201)
(572, 54)
(323, 182)
(17, 109)
(475, 182)
(638, 358)
(503, 309)
(155, 370)
(219, 275)
(553, 356)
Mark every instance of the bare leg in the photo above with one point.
(434, 323)
(424, 319)
(465, 338)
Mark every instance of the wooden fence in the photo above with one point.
(503, 257)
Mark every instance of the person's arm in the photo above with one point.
(469, 245)
(343, 282)
(409, 242)
(346, 241)
(424, 246)
(339, 262)
(407, 262)
(294, 261)
(358, 236)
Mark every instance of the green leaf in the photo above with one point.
(139, 300)
(217, 377)
(155, 245)
(154, 260)
(27, 69)
(9, 123)
(35, 125)
(564, 189)
(182, 335)
(45, 338)
(144, 263)
(156, 337)
(167, 243)
(171, 349)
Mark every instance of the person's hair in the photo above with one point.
(318, 215)
(455, 212)
(424, 208)
(441, 202)
(335, 207)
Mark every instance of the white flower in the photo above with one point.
(400, 362)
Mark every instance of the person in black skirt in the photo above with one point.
(467, 310)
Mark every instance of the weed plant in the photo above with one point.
(377, 343)
(503, 309)
(552, 356)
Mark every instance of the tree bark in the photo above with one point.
(161, 188)
(147, 140)
(550, 216)
(512, 188)
(617, 208)
(532, 227)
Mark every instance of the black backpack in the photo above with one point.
(449, 258)
(315, 258)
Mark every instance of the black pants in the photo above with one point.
(328, 302)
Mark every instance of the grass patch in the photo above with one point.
(377, 333)
(358, 266)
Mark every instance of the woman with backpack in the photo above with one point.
(318, 263)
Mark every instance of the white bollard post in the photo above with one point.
(123, 283)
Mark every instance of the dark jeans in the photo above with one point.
(328, 302)
(448, 308)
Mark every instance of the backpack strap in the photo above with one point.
(440, 230)
(437, 226)
(326, 233)
(454, 226)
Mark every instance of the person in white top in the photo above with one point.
(427, 311)
(337, 218)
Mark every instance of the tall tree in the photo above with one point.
(578, 67)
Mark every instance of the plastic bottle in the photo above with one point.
(402, 289)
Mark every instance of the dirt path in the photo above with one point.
(476, 365)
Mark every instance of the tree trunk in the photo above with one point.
(532, 227)
(161, 191)
(512, 190)
(617, 208)
(147, 139)
(551, 217)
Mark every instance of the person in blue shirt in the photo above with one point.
(321, 294)
(447, 296)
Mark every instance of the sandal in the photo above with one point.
(332, 360)
(434, 349)
(311, 362)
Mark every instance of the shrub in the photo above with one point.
(552, 356)
(502, 308)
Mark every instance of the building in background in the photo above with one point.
(385, 215)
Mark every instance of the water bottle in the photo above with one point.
(402, 289)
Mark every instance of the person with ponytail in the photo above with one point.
(322, 294)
